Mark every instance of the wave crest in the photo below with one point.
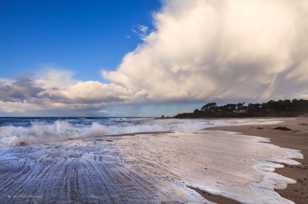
(41, 132)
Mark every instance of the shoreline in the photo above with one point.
(292, 133)
(76, 161)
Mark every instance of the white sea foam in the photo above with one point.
(238, 167)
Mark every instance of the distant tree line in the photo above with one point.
(280, 108)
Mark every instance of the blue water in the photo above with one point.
(76, 121)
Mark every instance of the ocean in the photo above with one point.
(137, 160)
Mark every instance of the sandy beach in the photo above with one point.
(292, 133)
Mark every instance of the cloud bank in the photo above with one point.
(238, 49)
(199, 50)
(56, 91)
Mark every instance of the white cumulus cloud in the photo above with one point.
(233, 49)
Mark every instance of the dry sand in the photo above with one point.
(292, 133)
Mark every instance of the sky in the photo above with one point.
(84, 36)
(148, 57)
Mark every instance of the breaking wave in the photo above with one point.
(45, 131)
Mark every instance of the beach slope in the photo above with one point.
(292, 133)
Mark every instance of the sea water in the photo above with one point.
(137, 160)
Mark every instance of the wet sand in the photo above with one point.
(293, 133)
(215, 198)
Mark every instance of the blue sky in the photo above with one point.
(83, 36)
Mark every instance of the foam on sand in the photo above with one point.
(223, 163)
